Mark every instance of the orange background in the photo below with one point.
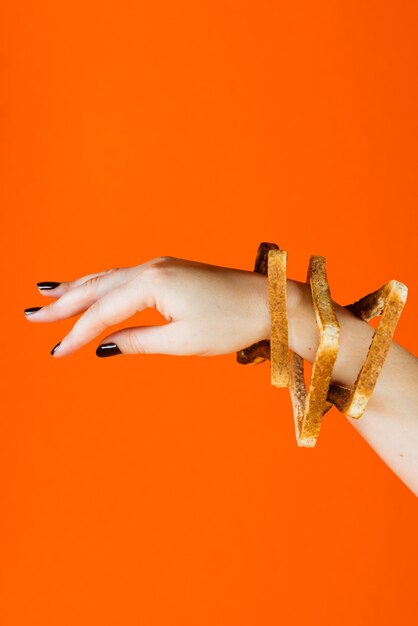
(161, 490)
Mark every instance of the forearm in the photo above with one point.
(390, 421)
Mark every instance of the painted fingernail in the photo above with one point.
(55, 347)
(47, 284)
(108, 349)
(32, 309)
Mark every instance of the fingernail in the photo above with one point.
(55, 347)
(32, 309)
(47, 285)
(108, 349)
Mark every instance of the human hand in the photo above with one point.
(211, 310)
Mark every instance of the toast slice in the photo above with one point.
(279, 348)
(259, 351)
(387, 301)
(287, 367)
(310, 407)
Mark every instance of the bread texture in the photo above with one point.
(309, 408)
(387, 301)
(259, 351)
(287, 367)
(279, 348)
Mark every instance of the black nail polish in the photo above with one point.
(47, 284)
(55, 347)
(108, 349)
(32, 309)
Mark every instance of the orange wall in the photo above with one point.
(159, 490)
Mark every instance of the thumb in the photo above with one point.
(168, 338)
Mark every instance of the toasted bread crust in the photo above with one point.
(326, 355)
(287, 367)
(259, 351)
(388, 301)
(278, 315)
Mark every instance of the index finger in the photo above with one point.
(114, 307)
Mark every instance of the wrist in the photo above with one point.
(303, 334)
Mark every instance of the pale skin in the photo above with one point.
(213, 310)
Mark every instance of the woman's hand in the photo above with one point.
(211, 310)
(217, 310)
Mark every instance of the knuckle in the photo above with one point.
(90, 280)
(134, 344)
(97, 312)
(160, 266)
(51, 311)
(85, 284)
(91, 283)
(113, 270)
(57, 309)
(163, 260)
(155, 272)
(155, 268)
(96, 309)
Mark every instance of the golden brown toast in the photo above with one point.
(287, 367)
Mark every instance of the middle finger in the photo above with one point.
(81, 297)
